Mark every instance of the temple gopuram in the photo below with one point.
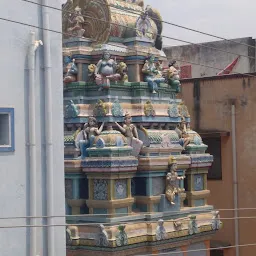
(135, 173)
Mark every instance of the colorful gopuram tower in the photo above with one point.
(135, 173)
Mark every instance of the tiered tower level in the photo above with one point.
(135, 173)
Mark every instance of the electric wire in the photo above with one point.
(126, 221)
(120, 46)
(252, 217)
(163, 36)
(37, 27)
(202, 211)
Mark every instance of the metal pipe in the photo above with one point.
(48, 129)
(32, 141)
(235, 184)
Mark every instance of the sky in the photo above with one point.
(225, 18)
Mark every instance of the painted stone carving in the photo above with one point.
(122, 71)
(177, 225)
(102, 238)
(143, 26)
(91, 73)
(130, 131)
(76, 21)
(149, 109)
(71, 110)
(181, 130)
(100, 189)
(197, 140)
(100, 109)
(70, 72)
(68, 237)
(152, 73)
(173, 110)
(198, 182)
(183, 110)
(216, 220)
(160, 231)
(121, 237)
(173, 76)
(106, 71)
(85, 138)
(72, 235)
(166, 142)
(192, 226)
(116, 109)
(172, 182)
(121, 189)
(100, 143)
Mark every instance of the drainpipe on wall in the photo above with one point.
(32, 140)
(48, 129)
(235, 184)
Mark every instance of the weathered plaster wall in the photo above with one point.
(14, 169)
(215, 114)
(214, 58)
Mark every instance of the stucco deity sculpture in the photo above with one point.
(130, 131)
(173, 76)
(70, 72)
(152, 73)
(91, 72)
(85, 137)
(76, 21)
(106, 71)
(172, 182)
(160, 231)
(181, 129)
(143, 26)
(122, 71)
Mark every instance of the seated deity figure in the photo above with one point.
(70, 72)
(106, 71)
(172, 182)
(173, 76)
(181, 129)
(130, 131)
(85, 138)
(76, 21)
(152, 74)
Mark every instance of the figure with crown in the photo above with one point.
(131, 133)
(152, 73)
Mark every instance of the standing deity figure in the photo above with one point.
(85, 138)
(160, 231)
(106, 71)
(181, 130)
(76, 21)
(143, 26)
(172, 182)
(152, 73)
(70, 72)
(173, 76)
(130, 131)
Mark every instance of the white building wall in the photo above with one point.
(14, 166)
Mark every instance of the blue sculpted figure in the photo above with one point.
(152, 73)
(85, 138)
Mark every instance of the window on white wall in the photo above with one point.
(4, 129)
(7, 130)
